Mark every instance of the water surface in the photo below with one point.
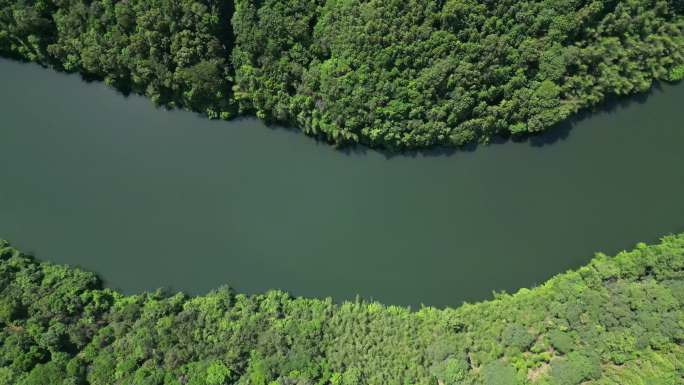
(150, 198)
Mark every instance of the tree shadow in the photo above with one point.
(613, 104)
(560, 132)
(555, 134)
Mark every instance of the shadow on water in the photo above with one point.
(610, 106)
(558, 133)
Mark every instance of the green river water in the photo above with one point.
(152, 198)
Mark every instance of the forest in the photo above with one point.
(389, 74)
(617, 320)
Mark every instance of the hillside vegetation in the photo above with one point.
(413, 73)
(174, 51)
(391, 73)
(618, 320)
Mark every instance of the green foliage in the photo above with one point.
(173, 51)
(617, 320)
(217, 373)
(561, 341)
(400, 74)
(42, 374)
(9, 309)
(677, 73)
(499, 373)
(393, 74)
(517, 336)
(575, 368)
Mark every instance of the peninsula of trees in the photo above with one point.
(386, 73)
(618, 320)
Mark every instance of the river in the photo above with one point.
(152, 198)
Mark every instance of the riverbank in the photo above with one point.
(617, 320)
(388, 75)
(193, 203)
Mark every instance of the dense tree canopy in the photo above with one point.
(617, 320)
(174, 51)
(399, 73)
(387, 73)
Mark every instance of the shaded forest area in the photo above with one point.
(176, 52)
(390, 74)
(618, 320)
